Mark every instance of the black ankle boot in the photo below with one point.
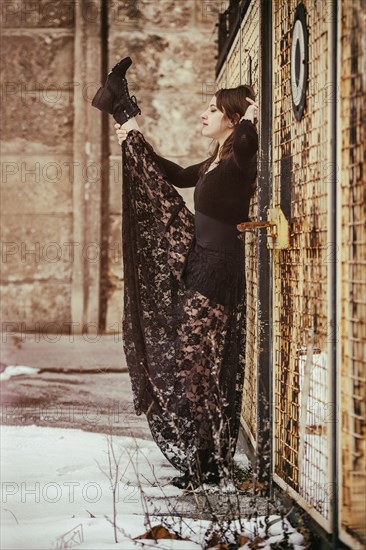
(182, 482)
(114, 98)
(208, 467)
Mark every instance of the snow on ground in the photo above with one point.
(51, 486)
(17, 370)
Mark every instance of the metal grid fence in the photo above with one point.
(303, 411)
(300, 183)
(352, 421)
(249, 47)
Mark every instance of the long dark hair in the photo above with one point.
(233, 102)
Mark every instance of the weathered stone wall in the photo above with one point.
(37, 148)
(60, 208)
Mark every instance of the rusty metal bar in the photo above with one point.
(333, 271)
(264, 376)
(246, 226)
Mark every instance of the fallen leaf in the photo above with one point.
(242, 539)
(256, 542)
(159, 532)
(250, 484)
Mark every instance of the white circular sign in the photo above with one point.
(299, 61)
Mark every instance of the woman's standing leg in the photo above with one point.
(201, 338)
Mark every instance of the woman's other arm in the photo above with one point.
(245, 144)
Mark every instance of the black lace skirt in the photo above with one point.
(183, 319)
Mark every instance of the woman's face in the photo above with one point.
(215, 123)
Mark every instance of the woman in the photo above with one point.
(184, 279)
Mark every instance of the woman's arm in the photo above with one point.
(180, 177)
(245, 143)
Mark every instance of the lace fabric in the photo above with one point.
(183, 318)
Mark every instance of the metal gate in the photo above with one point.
(352, 271)
(316, 186)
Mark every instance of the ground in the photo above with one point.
(59, 400)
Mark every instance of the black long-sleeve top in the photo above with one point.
(223, 194)
(227, 189)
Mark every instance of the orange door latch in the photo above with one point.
(277, 228)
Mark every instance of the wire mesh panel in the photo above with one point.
(313, 461)
(233, 65)
(249, 37)
(353, 257)
(300, 330)
(303, 335)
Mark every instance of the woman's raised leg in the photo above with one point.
(131, 124)
(174, 221)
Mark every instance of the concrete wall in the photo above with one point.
(37, 147)
(61, 168)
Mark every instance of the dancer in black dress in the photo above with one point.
(184, 280)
